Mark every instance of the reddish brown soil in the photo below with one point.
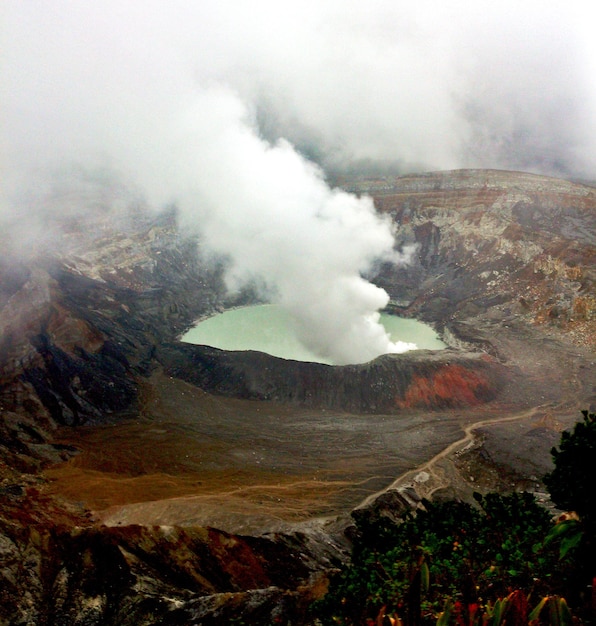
(192, 458)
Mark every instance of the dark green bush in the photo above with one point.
(572, 485)
(449, 552)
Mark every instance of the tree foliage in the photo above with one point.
(572, 486)
(572, 483)
(451, 552)
(502, 561)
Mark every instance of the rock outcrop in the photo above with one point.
(139, 575)
(514, 243)
(416, 380)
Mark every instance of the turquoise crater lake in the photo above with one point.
(268, 328)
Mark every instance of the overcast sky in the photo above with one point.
(425, 85)
(213, 105)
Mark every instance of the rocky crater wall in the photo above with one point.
(504, 266)
(416, 380)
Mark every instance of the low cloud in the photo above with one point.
(225, 107)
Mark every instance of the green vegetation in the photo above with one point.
(571, 483)
(572, 488)
(500, 561)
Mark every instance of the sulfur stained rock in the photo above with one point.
(418, 379)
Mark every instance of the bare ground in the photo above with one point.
(246, 466)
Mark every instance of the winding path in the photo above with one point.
(427, 485)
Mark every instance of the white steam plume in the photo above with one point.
(272, 214)
(132, 86)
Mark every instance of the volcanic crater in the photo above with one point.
(108, 420)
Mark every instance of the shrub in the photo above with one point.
(451, 552)
(572, 486)
(500, 562)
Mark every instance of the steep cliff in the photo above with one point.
(416, 380)
(512, 243)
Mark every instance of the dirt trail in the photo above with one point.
(295, 501)
(193, 458)
(425, 478)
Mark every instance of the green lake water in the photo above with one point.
(268, 328)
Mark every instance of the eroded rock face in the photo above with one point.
(517, 243)
(156, 575)
(417, 380)
(78, 331)
(504, 268)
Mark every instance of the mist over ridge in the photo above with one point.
(213, 107)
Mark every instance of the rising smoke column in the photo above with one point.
(270, 212)
(135, 89)
(419, 85)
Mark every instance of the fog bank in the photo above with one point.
(223, 108)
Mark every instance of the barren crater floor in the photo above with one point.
(497, 268)
(113, 432)
(193, 458)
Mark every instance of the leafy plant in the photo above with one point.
(568, 534)
(452, 562)
(571, 483)
(572, 487)
(456, 564)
